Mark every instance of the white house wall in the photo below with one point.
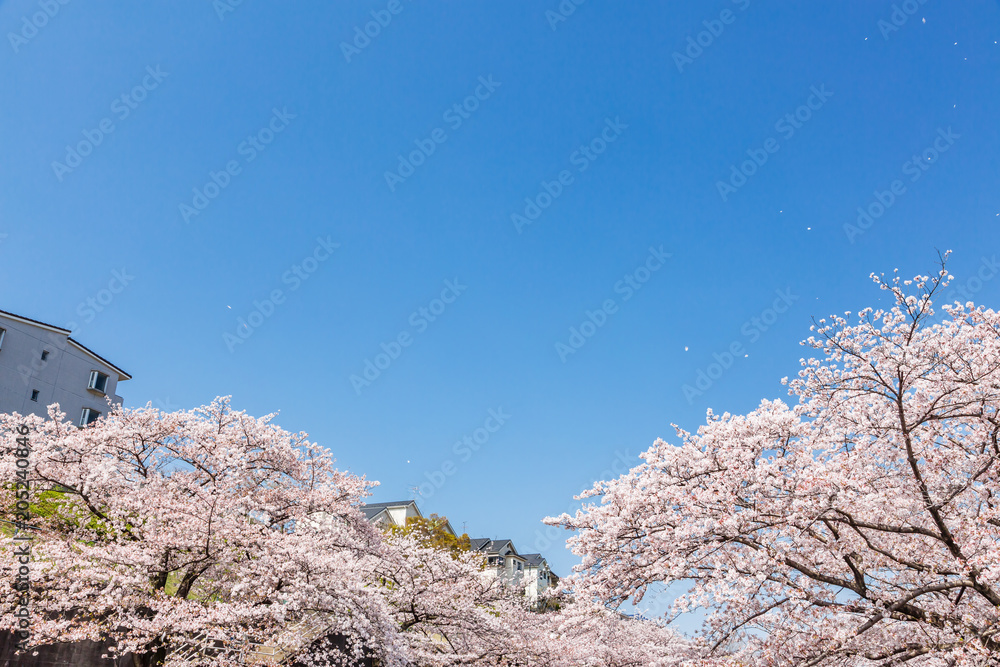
(62, 378)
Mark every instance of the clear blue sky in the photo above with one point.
(608, 69)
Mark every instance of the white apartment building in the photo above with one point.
(41, 364)
(538, 576)
(504, 561)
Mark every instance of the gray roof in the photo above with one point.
(398, 503)
(533, 559)
(491, 546)
(372, 510)
(486, 545)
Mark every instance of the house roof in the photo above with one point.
(492, 546)
(28, 320)
(533, 559)
(122, 375)
(398, 503)
(372, 510)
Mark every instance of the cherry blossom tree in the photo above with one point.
(162, 530)
(583, 634)
(859, 526)
(450, 608)
(453, 609)
(211, 537)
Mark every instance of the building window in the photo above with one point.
(88, 417)
(2, 332)
(98, 382)
(45, 355)
(34, 395)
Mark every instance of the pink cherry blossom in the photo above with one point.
(163, 529)
(860, 526)
(213, 537)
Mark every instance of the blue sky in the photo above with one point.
(620, 143)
